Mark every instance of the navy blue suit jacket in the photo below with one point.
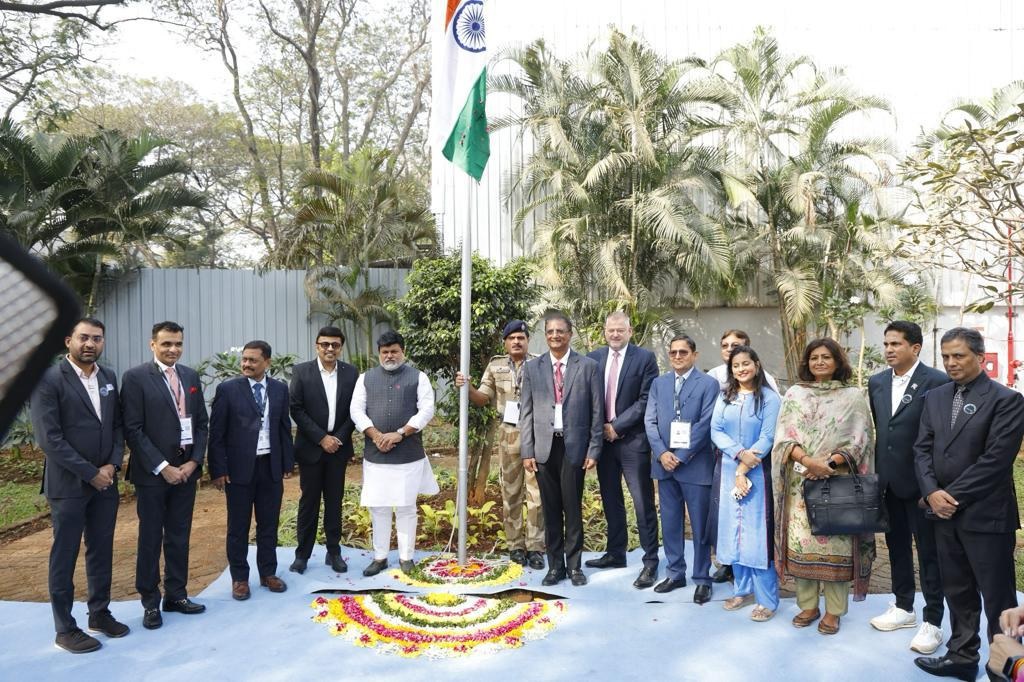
(76, 442)
(235, 422)
(697, 404)
(639, 368)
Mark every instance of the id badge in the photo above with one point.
(511, 415)
(186, 431)
(558, 417)
(263, 442)
(679, 436)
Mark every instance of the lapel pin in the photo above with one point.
(913, 386)
(970, 408)
(104, 390)
(906, 399)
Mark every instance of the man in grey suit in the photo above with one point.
(77, 423)
(897, 399)
(166, 426)
(561, 422)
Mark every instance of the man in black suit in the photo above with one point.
(897, 400)
(561, 421)
(77, 424)
(250, 455)
(627, 372)
(971, 431)
(321, 394)
(166, 426)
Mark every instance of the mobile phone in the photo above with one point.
(799, 468)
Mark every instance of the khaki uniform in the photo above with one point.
(501, 382)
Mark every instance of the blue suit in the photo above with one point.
(254, 482)
(689, 485)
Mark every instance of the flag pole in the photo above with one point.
(467, 294)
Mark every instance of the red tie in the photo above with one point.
(559, 385)
(609, 391)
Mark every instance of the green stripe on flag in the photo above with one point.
(469, 146)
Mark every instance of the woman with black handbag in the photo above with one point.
(823, 423)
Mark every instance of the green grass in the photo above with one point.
(19, 501)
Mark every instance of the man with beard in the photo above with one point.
(391, 405)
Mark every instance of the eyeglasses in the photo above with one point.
(329, 345)
(84, 338)
(555, 332)
(679, 353)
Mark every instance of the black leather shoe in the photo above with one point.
(105, 623)
(554, 576)
(722, 575)
(702, 595)
(668, 584)
(578, 578)
(336, 563)
(518, 556)
(648, 574)
(186, 606)
(298, 566)
(407, 566)
(77, 642)
(535, 560)
(375, 567)
(605, 561)
(152, 619)
(947, 667)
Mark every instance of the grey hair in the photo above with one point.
(972, 337)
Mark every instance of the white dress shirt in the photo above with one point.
(419, 421)
(330, 380)
(91, 383)
(899, 386)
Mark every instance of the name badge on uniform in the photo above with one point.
(558, 417)
(511, 415)
(679, 435)
(263, 442)
(186, 431)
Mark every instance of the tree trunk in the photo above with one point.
(479, 466)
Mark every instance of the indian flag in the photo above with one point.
(460, 117)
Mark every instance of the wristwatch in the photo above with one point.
(401, 431)
(832, 464)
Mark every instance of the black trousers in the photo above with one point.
(165, 522)
(974, 566)
(260, 496)
(629, 457)
(323, 480)
(907, 526)
(93, 514)
(561, 496)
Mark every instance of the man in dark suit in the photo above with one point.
(77, 424)
(561, 423)
(897, 399)
(166, 426)
(321, 394)
(627, 372)
(250, 455)
(678, 425)
(970, 434)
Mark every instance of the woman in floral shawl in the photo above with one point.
(821, 418)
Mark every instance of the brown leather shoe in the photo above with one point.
(827, 629)
(804, 618)
(240, 590)
(273, 583)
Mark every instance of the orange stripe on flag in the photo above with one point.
(452, 6)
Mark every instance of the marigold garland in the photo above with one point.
(441, 569)
(435, 626)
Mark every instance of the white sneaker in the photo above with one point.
(927, 639)
(894, 619)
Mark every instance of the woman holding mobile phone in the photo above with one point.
(743, 429)
(823, 420)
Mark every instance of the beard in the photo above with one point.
(392, 365)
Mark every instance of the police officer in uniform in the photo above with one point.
(500, 385)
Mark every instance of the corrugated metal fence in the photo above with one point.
(219, 309)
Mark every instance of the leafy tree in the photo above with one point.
(429, 316)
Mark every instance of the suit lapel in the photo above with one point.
(624, 368)
(687, 389)
(76, 385)
(547, 374)
(913, 386)
(161, 386)
(885, 399)
(572, 362)
(976, 398)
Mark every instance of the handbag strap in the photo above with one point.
(849, 463)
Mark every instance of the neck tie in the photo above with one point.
(257, 392)
(559, 385)
(958, 404)
(179, 396)
(609, 391)
(680, 380)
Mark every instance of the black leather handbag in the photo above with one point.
(846, 505)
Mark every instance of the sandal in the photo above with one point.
(802, 621)
(826, 629)
(761, 614)
(736, 603)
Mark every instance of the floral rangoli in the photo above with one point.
(445, 570)
(437, 624)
